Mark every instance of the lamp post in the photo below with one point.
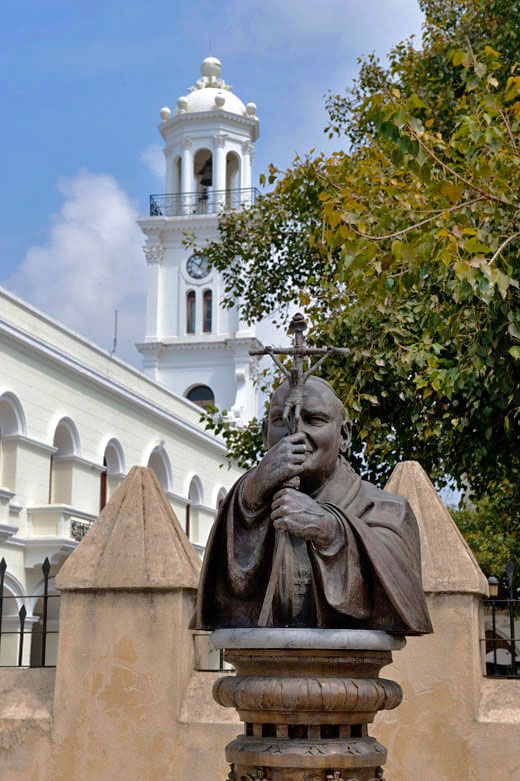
(493, 587)
(493, 593)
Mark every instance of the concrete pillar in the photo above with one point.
(187, 179)
(125, 654)
(169, 172)
(154, 255)
(248, 152)
(219, 169)
(442, 674)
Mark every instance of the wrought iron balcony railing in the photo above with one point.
(205, 202)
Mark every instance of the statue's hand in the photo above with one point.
(300, 515)
(279, 465)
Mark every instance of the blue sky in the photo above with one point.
(83, 86)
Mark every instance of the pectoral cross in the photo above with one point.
(297, 377)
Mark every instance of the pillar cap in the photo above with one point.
(136, 543)
(307, 639)
(448, 565)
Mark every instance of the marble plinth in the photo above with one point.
(306, 698)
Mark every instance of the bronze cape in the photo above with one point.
(370, 578)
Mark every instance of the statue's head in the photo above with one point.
(324, 422)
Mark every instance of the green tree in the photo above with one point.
(405, 250)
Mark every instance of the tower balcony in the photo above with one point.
(201, 202)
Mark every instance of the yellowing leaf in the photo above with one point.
(461, 269)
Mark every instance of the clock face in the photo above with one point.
(197, 266)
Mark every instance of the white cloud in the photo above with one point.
(154, 160)
(91, 265)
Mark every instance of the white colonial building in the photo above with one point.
(192, 345)
(74, 419)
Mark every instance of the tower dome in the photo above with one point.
(211, 93)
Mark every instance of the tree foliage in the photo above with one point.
(405, 249)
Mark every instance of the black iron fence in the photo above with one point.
(26, 637)
(204, 202)
(502, 638)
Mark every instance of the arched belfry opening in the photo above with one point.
(177, 175)
(203, 173)
(232, 176)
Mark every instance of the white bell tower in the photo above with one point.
(192, 345)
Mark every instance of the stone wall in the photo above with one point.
(128, 704)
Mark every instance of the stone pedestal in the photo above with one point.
(306, 697)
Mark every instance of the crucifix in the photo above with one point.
(296, 377)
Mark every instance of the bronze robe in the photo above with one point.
(369, 578)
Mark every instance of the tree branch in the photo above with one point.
(503, 245)
(417, 224)
(487, 196)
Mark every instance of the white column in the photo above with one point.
(248, 152)
(219, 167)
(187, 165)
(169, 178)
(154, 254)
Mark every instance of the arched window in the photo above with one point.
(12, 422)
(201, 395)
(66, 442)
(66, 438)
(114, 463)
(195, 492)
(12, 419)
(191, 312)
(207, 300)
(160, 463)
(12, 602)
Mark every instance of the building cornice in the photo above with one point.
(166, 346)
(66, 510)
(177, 498)
(198, 117)
(7, 531)
(33, 345)
(151, 226)
(31, 443)
(79, 461)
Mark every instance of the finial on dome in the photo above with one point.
(182, 103)
(220, 99)
(165, 113)
(251, 109)
(211, 66)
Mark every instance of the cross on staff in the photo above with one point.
(297, 378)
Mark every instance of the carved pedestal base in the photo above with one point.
(306, 709)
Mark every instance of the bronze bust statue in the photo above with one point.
(350, 556)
